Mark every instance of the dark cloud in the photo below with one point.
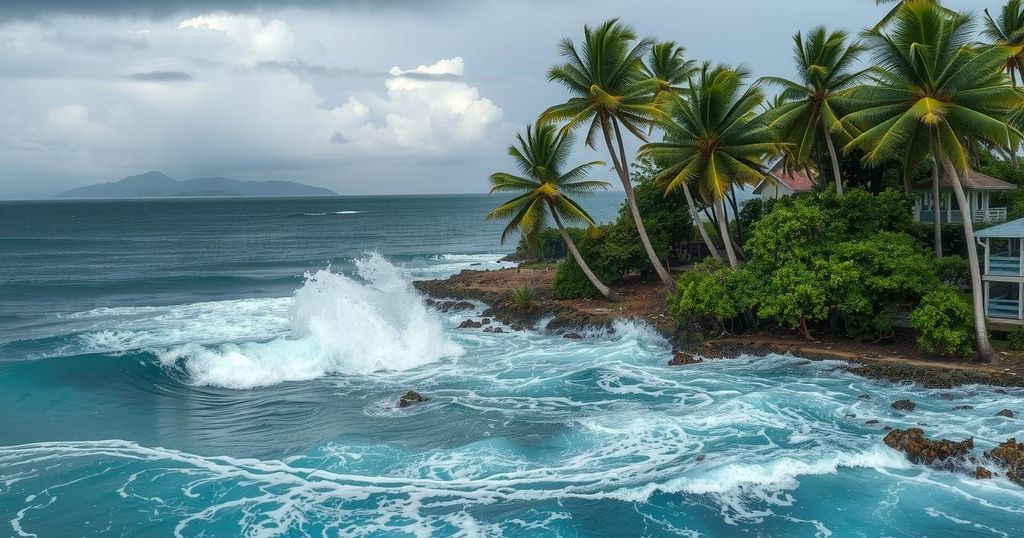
(161, 76)
(33, 9)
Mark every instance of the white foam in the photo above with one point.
(337, 325)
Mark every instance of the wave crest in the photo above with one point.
(337, 325)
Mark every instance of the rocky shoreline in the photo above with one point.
(646, 302)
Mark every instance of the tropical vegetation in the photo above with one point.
(924, 94)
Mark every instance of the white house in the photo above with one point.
(977, 187)
(1004, 271)
(783, 184)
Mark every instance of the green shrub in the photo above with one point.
(571, 283)
(953, 270)
(944, 320)
(713, 292)
(1016, 339)
(524, 297)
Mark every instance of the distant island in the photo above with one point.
(159, 185)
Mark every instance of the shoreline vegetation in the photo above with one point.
(843, 267)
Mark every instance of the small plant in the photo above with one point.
(1016, 339)
(524, 297)
(944, 321)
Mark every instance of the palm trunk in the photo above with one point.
(936, 210)
(736, 212)
(723, 228)
(835, 160)
(569, 244)
(977, 291)
(695, 216)
(619, 161)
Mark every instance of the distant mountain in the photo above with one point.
(157, 184)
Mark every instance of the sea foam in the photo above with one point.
(337, 325)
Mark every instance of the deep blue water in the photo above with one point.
(167, 369)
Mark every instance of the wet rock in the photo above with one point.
(1001, 391)
(486, 321)
(864, 397)
(963, 407)
(489, 330)
(887, 428)
(982, 473)
(449, 306)
(919, 449)
(410, 398)
(1005, 413)
(497, 330)
(1011, 456)
(904, 405)
(489, 313)
(851, 415)
(872, 422)
(572, 336)
(683, 358)
(700, 458)
(470, 324)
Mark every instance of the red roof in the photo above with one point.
(975, 181)
(796, 181)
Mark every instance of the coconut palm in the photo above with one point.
(610, 92)
(667, 66)
(714, 139)
(1008, 30)
(823, 62)
(934, 90)
(900, 3)
(544, 186)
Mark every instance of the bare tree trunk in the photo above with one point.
(619, 161)
(695, 216)
(736, 213)
(835, 160)
(723, 229)
(569, 244)
(977, 291)
(936, 211)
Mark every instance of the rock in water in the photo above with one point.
(1005, 413)
(904, 405)
(982, 473)
(920, 449)
(470, 324)
(1010, 455)
(572, 336)
(410, 398)
(683, 358)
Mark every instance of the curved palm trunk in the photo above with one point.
(936, 210)
(605, 290)
(695, 216)
(835, 160)
(977, 294)
(619, 161)
(723, 228)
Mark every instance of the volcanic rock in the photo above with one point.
(920, 449)
(1010, 455)
(470, 324)
(904, 405)
(683, 358)
(410, 398)
(1005, 413)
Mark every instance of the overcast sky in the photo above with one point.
(360, 96)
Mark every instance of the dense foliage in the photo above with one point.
(944, 322)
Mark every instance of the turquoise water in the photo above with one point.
(230, 368)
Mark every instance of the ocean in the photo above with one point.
(230, 367)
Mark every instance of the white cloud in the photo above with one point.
(452, 66)
(271, 41)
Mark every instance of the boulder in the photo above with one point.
(920, 449)
(872, 422)
(682, 358)
(410, 398)
(470, 324)
(1005, 413)
(963, 407)
(497, 330)
(982, 473)
(1011, 456)
(486, 321)
(572, 336)
(904, 405)
(864, 397)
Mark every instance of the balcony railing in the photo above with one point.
(1003, 264)
(992, 214)
(1003, 308)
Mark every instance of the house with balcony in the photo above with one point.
(1003, 276)
(977, 187)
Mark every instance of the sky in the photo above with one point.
(359, 96)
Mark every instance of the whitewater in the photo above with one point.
(272, 411)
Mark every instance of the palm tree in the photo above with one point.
(610, 90)
(715, 139)
(543, 185)
(1008, 30)
(823, 64)
(900, 3)
(933, 90)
